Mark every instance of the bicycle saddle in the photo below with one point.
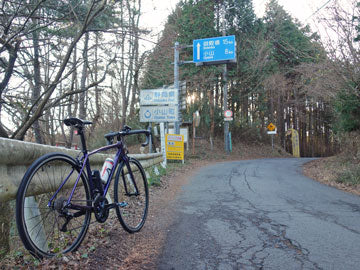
(73, 121)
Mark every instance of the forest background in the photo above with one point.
(84, 58)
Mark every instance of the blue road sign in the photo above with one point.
(216, 49)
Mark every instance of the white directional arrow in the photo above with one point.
(198, 51)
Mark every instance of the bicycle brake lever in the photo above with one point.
(126, 128)
(148, 134)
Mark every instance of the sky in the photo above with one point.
(300, 9)
(155, 12)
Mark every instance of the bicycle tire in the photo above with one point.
(131, 209)
(40, 226)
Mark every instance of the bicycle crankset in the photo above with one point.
(101, 210)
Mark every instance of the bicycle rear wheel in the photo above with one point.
(46, 225)
(132, 203)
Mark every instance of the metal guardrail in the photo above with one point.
(17, 156)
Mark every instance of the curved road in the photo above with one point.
(262, 214)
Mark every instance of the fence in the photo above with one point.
(16, 156)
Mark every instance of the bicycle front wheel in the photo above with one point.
(47, 225)
(131, 195)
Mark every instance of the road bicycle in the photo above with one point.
(58, 194)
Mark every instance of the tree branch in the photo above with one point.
(27, 123)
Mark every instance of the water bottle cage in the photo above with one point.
(97, 181)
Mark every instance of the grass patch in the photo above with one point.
(154, 179)
(19, 259)
(350, 176)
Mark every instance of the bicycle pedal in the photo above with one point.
(122, 204)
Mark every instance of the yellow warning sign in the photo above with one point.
(271, 127)
(174, 146)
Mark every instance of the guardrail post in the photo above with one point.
(15, 158)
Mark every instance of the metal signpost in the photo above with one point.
(214, 51)
(162, 141)
(176, 79)
(271, 131)
(159, 106)
(228, 115)
(207, 51)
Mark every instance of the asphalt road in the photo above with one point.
(262, 214)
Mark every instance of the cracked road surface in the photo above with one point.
(262, 214)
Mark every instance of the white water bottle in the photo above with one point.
(106, 169)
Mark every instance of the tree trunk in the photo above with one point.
(30, 119)
(3, 133)
(137, 62)
(97, 113)
(8, 72)
(280, 120)
(212, 120)
(72, 102)
(37, 86)
(83, 94)
(245, 105)
(124, 106)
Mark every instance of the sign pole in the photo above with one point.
(226, 124)
(150, 142)
(215, 51)
(176, 82)
(194, 134)
(225, 73)
(271, 131)
(162, 139)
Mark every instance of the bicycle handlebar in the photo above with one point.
(110, 136)
(79, 124)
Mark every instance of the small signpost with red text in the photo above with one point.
(228, 115)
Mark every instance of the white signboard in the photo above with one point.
(183, 131)
(159, 113)
(161, 96)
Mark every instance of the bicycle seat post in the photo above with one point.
(80, 132)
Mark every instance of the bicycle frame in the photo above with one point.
(59, 194)
(120, 158)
